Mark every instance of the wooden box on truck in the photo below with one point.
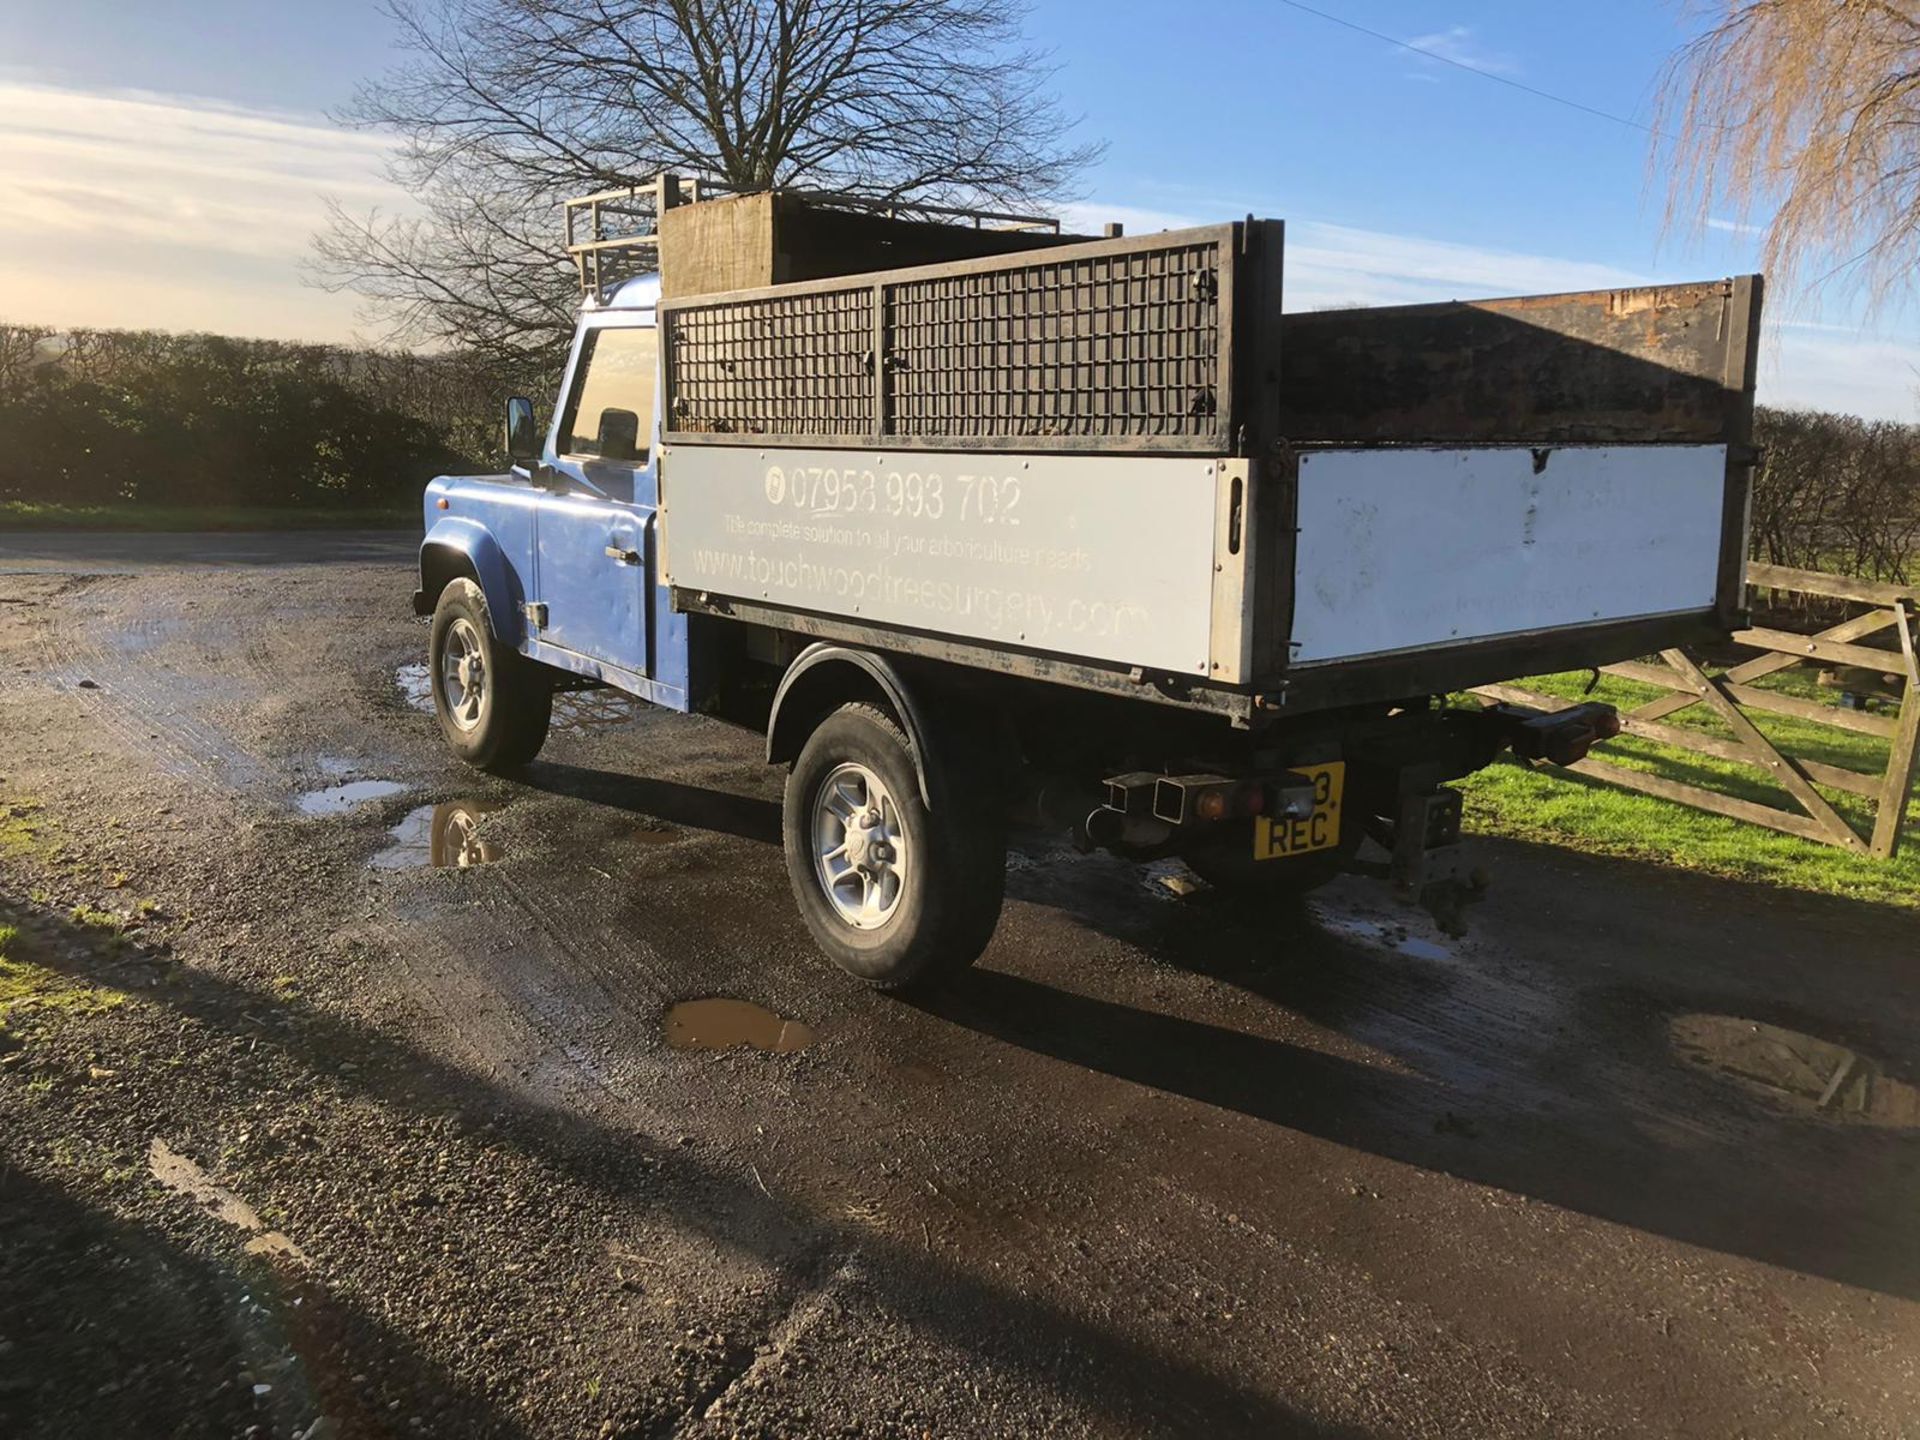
(1116, 462)
(778, 237)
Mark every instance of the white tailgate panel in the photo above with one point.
(1401, 549)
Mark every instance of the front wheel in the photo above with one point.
(493, 704)
(895, 894)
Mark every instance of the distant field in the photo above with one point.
(1512, 800)
(39, 515)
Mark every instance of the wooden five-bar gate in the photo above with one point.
(1733, 694)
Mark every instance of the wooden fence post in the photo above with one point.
(1892, 812)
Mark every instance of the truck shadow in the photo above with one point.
(1547, 1070)
(111, 1320)
(1545, 1063)
(697, 806)
(1008, 1330)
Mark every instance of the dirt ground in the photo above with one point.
(304, 1134)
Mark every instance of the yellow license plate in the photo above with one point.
(1282, 839)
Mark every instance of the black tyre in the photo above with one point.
(895, 894)
(493, 703)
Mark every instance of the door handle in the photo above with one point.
(625, 557)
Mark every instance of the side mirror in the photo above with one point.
(522, 432)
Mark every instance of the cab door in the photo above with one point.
(595, 564)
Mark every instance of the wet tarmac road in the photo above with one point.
(1636, 1157)
(113, 552)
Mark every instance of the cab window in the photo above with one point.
(610, 416)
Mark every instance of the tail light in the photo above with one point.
(1190, 799)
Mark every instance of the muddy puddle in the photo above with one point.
(1801, 1072)
(578, 711)
(1389, 934)
(444, 837)
(415, 688)
(339, 799)
(721, 1024)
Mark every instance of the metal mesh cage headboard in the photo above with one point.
(1116, 344)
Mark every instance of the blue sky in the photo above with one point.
(197, 128)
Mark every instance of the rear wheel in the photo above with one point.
(493, 704)
(894, 893)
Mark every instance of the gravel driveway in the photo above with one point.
(343, 1093)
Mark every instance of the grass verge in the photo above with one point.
(43, 515)
(25, 832)
(1558, 807)
(26, 987)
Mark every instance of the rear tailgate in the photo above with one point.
(1412, 548)
(1484, 489)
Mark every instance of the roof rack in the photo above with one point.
(613, 235)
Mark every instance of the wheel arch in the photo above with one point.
(822, 678)
(458, 547)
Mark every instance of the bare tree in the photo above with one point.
(505, 106)
(1810, 108)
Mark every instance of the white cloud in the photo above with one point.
(1456, 43)
(1086, 217)
(139, 210)
(1734, 227)
(132, 209)
(1813, 368)
(1337, 265)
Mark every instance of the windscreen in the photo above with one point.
(610, 416)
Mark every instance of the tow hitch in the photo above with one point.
(1429, 862)
(1560, 738)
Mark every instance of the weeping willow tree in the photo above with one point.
(1806, 112)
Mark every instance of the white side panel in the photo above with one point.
(1094, 557)
(1401, 549)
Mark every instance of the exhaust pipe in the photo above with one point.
(1109, 829)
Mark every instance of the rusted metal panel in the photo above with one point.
(815, 241)
(1664, 363)
(1257, 327)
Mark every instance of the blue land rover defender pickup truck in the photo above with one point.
(972, 519)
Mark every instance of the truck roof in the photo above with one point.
(641, 292)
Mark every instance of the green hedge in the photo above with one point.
(118, 417)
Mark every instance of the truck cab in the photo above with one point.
(566, 545)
